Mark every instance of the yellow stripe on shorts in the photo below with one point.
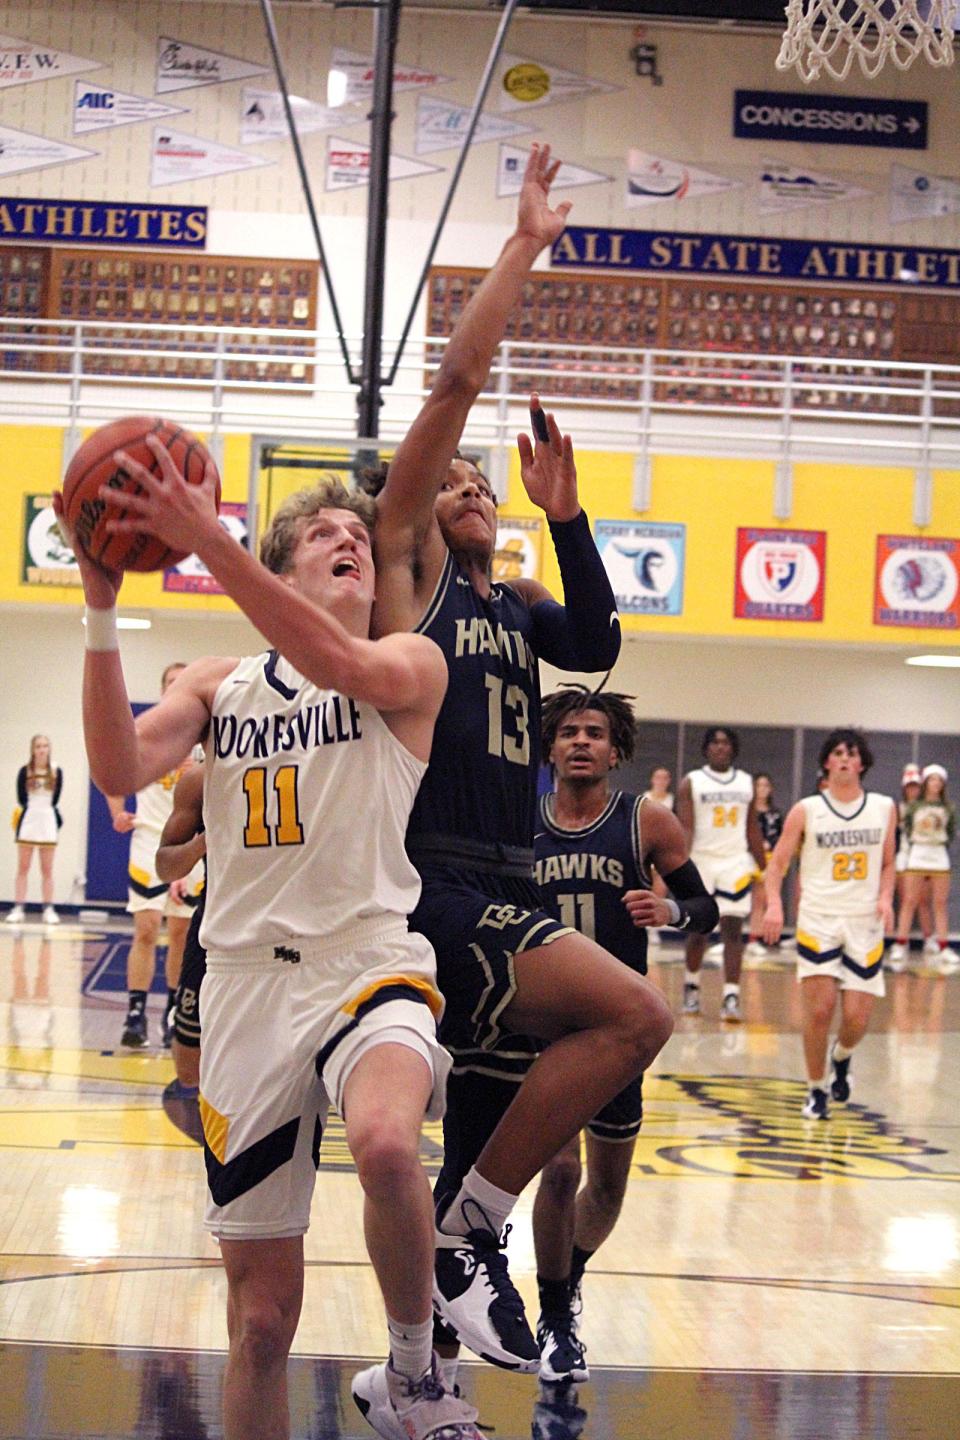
(808, 942)
(215, 1128)
(412, 982)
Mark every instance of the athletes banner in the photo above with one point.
(527, 84)
(651, 179)
(917, 582)
(178, 158)
(96, 107)
(513, 162)
(185, 67)
(780, 574)
(645, 562)
(191, 576)
(20, 151)
(262, 116)
(351, 78)
(791, 187)
(348, 165)
(519, 548)
(442, 125)
(23, 63)
(44, 558)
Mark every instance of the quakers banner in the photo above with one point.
(191, 576)
(513, 162)
(443, 126)
(915, 195)
(20, 151)
(97, 107)
(519, 549)
(792, 187)
(780, 574)
(262, 116)
(827, 261)
(348, 165)
(178, 158)
(181, 66)
(526, 84)
(351, 78)
(652, 179)
(917, 582)
(24, 63)
(645, 563)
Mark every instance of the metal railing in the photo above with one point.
(636, 401)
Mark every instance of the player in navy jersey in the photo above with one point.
(506, 967)
(594, 847)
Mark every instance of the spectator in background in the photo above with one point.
(929, 825)
(771, 823)
(37, 822)
(659, 787)
(910, 783)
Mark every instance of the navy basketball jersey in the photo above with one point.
(583, 875)
(481, 782)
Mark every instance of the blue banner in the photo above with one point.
(758, 256)
(829, 119)
(89, 222)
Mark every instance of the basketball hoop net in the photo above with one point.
(825, 36)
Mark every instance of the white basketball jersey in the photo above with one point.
(155, 802)
(720, 805)
(306, 798)
(841, 858)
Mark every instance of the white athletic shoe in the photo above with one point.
(730, 1011)
(50, 916)
(896, 958)
(931, 948)
(425, 1411)
(16, 916)
(714, 955)
(756, 950)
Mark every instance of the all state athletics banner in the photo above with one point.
(827, 261)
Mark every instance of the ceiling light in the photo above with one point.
(936, 662)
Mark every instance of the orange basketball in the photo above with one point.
(94, 466)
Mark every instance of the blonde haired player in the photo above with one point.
(716, 808)
(847, 842)
(316, 992)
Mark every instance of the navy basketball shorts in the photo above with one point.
(186, 1020)
(477, 922)
(621, 1118)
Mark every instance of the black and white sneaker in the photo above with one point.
(730, 1009)
(134, 1035)
(475, 1297)
(691, 1000)
(840, 1085)
(563, 1358)
(398, 1409)
(556, 1415)
(167, 1027)
(815, 1106)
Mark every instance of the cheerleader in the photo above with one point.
(771, 824)
(929, 825)
(37, 821)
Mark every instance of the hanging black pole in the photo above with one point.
(386, 26)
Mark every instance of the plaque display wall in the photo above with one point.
(823, 330)
(135, 289)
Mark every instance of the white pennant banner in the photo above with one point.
(651, 179)
(525, 84)
(19, 150)
(348, 165)
(790, 187)
(183, 67)
(351, 77)
(95, 107)
(917, 196)
(442, 125)
(178, 158)
(262, 116)
(513, 162)
(23, 63)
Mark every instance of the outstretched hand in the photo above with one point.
(100, 585)
(547, 469)
(168, 507)
(535, 219)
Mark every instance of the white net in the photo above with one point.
(826, 36)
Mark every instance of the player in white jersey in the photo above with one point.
(716, 809)
(149, 899)
(847, 842)
(315, 991)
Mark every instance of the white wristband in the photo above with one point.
(102, 629)
(674, 910)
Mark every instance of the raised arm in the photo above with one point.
(777, 866)
(183, 842)
(405, 507)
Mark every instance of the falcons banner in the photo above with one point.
(645, 562)
(780, 574)
(917, 582)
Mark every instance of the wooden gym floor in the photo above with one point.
(770, 1276)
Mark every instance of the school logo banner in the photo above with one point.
(644, 561)
(184, 67)
(780, 574)
(917, 582)
(45, 559)
(526, 84)
(191, 576)
(23, 63)
(442, 126)
(519, 548)
(95, 107)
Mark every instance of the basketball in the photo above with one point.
(94, 466)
